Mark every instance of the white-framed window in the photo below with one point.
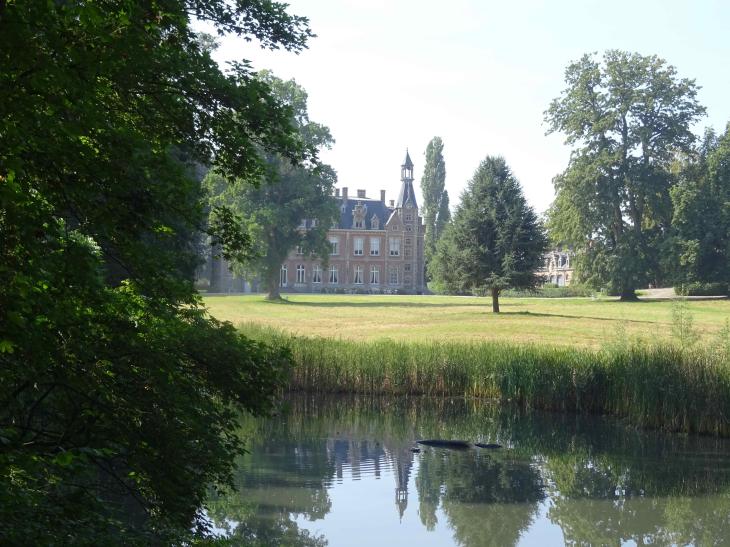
(300, 250)
(358, 223)
(314, 223)
(374, 246)
(407, 268)
(334, 277)
(317, 274)
(283, 276)
(393, 275)
(394, 246)
(358, 246)
(358, 275)
(300, 273)
(409, 218)
(375, 223)
(374, 275)
(409, 228)
(334, 245)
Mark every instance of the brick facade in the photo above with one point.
(376, 248)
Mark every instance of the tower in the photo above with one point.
(406, 208)
(406, 197)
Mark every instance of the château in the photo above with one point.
(375, 247)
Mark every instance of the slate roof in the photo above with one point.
(408, 163)
(374, 207)
(406, 194)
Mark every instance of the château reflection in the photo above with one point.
(591, 481)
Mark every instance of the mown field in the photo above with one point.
(581, 322)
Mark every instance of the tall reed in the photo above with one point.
(660, 385)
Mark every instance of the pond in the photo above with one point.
(341, 471)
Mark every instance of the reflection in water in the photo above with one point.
(319, 474)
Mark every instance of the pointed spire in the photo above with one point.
(408, 164)
(406, 195)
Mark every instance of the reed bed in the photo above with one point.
(660, 385)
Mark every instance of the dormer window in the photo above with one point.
(358, 216)
(375, 223)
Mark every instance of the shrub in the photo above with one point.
(698, 288)
(551, 291)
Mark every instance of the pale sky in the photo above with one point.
(384, 75)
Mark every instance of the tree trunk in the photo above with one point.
(629, 295)
(215, 273)
(495, 300)
(273, 289)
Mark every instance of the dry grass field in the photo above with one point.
(582, 322)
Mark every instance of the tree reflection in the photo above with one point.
(488, 499)
(602, 483)
(280, 479)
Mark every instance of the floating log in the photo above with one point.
(440, 443)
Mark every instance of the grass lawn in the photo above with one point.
(565, 321)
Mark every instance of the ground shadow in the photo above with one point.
(536, 314)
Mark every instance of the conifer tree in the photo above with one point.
(495, 240)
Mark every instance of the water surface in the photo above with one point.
(341, 472)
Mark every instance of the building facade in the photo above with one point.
(375, 247)
(557, 268)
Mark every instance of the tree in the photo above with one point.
(119, 395)
(626, 117)
(701, 213)
(276, 208)
(432, 186)
(495, 240)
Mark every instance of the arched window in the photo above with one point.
(375, 275)
(283, 276)
(317, 274)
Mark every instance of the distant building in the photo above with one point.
(557, 268)
(375, 247)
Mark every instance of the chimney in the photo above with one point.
(337, 192)
(392, 203)
(382, 196)
(344, 193)
(361, 193)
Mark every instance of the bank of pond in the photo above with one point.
(341, 470)
(661, 385)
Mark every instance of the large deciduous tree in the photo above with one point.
(701, 214)
(119, 395)
(435, 198)
(495, 240)
(626, 116)
(293, 206)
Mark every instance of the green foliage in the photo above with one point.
(659, 385)
(495, 240)
(274, 208)
(118, 393)
(702, 289)
(546, 291)
(626, 117)
(700, 246)
(435, 205)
